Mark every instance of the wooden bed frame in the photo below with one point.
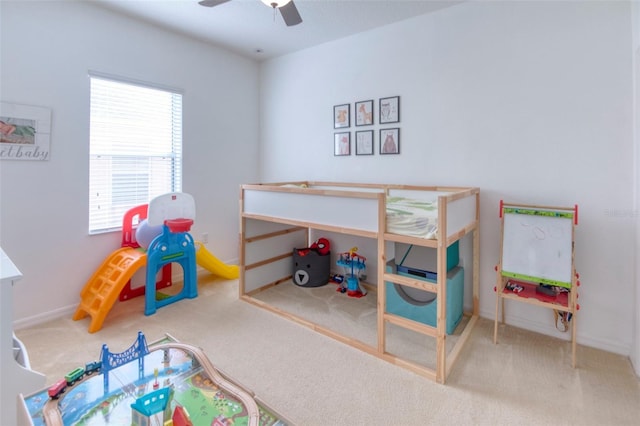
(277, 217)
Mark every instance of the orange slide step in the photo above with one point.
(101, 291)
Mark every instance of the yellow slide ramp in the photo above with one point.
(101, 291)
(214, 265)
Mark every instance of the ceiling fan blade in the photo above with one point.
(211, 3)
(290, 14)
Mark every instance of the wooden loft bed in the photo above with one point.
(277, 217)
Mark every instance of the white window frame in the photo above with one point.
(135, 147)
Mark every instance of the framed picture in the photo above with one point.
(389, 110)
(390, 141)
(342, 143)
(341, 117)
(364, 142)
(364, 113)
(24, 132)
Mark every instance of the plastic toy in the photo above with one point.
(112, 279)
(336, 278)
(125, 391)
(181, 417)
(516, 288)
(149, 409)
(322, 246)
(146, 233)
(175, 212)
(354, 266)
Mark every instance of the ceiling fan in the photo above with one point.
(287, 9)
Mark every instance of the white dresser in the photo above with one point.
(15, 378)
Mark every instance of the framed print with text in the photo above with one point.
(25, 132)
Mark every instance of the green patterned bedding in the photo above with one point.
(415, 218)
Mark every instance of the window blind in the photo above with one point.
(135, 148)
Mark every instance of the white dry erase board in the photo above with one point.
(537, 245)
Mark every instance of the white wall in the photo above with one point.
(635, 16)
(530, 101)
(47, 48)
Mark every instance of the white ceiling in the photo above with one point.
(246, 26)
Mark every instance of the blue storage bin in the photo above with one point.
(420, 305)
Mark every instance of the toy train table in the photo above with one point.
(165, 383)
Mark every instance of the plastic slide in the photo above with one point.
(214, 265)
(101, 291)
(103, 288)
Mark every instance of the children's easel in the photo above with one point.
(537, 261)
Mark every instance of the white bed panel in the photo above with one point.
(460, 213)
(275, 246)
(324, 209)
(260, 227)
(266, 274)
(347, 188)
(417, 195)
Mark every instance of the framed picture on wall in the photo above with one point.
(389, 110)
(390, 141)
(341, 116)
(364, 113)
(25, 132)
(342, 143)
(364, 142)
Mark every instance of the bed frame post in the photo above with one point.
(382, 262)
(476, 260)
(242, 245)
(441, 309)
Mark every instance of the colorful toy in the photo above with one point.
(71, 378)
(155, 382)
(92, 367)
(112, 280)
(354, 266)
(146, 233)
(149, 409)
(57, 388)
(181, 417)
(322, 246)
(336, 278)
(175, 212)
(137, 216)
(124, 392)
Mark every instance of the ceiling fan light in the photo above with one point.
(275, 3)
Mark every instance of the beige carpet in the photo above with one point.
(526, 379)
(354, 318)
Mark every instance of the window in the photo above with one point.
(135, 148)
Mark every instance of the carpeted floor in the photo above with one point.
(311, 379)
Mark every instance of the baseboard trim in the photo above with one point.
(544, 328)
(44, 317)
